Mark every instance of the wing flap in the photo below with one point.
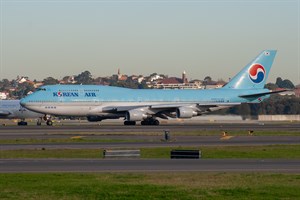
(116, 109)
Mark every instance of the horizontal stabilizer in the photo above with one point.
(261, 94)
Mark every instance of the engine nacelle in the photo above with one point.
(135, 115)
(94, 118)
(185, 112)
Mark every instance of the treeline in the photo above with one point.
(275, 105)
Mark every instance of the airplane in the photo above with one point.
(146, 105)
(11, 109)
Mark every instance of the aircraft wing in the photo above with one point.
(164, 106)
(168, 110)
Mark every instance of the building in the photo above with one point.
(22, 79)
(3, 95)
(176, 83)
(286, 93)
(155, 77)
(121, 77)
(297, 92)
(184, 78)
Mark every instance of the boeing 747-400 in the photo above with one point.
(147, 105)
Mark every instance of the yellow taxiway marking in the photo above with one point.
(226, 137)
(77, 137)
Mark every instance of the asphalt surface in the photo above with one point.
(119, 136)
(119, 128)
(140, 139)
(175, 142)
(200, 165)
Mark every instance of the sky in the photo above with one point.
(43, 38)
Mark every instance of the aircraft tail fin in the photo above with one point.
(255, 74)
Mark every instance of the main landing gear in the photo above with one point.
(48, 120)
(22, 123)
(149, 121)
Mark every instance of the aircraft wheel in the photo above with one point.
(150, 122)
(22, 123)
(155, 122)
(49, 123)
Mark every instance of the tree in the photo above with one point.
(284, 83)
(143, 85)
(23, 89)
(50, 81)
(271, 86)
(153, 74)
(287, 84)
(244, 110)
(208, 79)
(278, 81)
(84, 78)
(4, 83)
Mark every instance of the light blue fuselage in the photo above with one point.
(56, 99)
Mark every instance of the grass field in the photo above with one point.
(158, 185)
(268, 151)
(150, 186)
(78, 139)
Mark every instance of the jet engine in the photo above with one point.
(185, 112)
(136, 115)
(94, 118)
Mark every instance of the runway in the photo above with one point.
(156, 141)
(119, 136)
(153, 165)
(119, 128)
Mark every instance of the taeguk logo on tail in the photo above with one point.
(257, 73)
